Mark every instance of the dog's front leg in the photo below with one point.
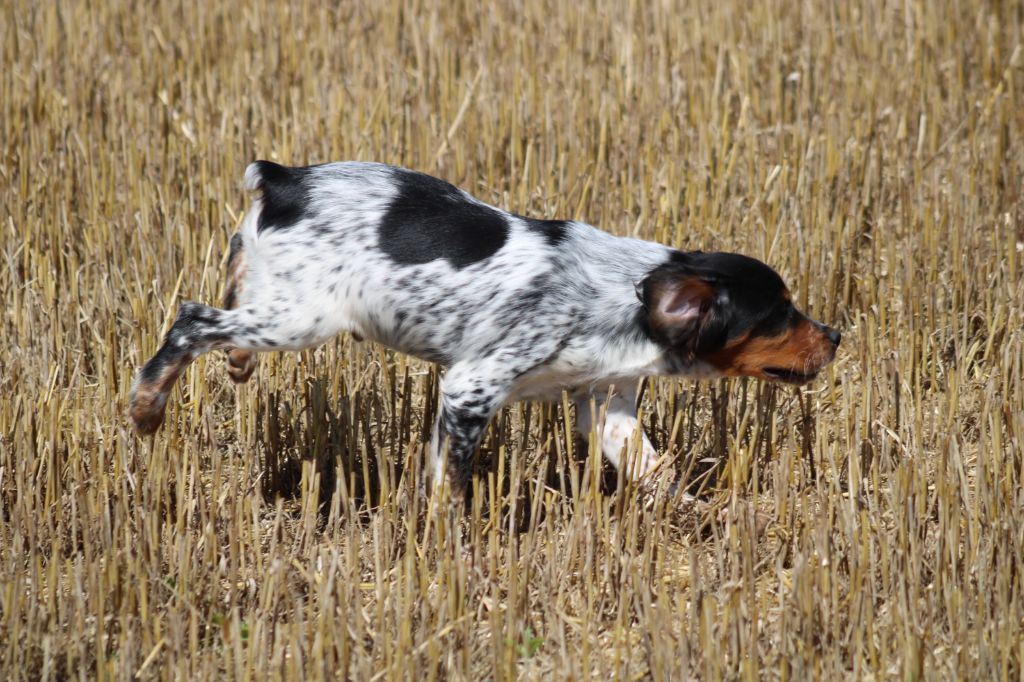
(471, 392)
(617, 430)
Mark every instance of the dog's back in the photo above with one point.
(412, 262)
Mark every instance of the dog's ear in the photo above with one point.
(681, 301)
(681, 310)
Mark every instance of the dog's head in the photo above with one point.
(733, 314)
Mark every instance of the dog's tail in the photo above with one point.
(253, 177)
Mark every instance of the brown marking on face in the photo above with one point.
(803, 349)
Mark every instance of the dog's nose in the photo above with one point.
(834, 336)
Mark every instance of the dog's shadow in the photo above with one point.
(315, 435)
(367, 460)
(570, 479)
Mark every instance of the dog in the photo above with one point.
(512, 307)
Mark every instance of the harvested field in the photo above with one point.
(868, 526)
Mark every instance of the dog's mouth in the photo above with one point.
(787, 375)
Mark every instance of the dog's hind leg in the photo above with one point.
(241, 363)
(199, 329)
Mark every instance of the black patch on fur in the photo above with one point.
(554, 231)
(197, 323)
(285, 195)
(431, 219)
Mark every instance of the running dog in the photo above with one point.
(513, 307)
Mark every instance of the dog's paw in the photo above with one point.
(241, 365)
(146, 410)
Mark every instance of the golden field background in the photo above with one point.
(869, 526)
